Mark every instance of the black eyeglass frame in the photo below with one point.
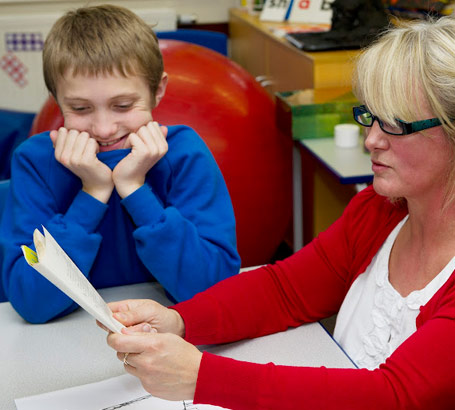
(406, 127)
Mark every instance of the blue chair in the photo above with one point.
(4, 186)
(210, 39)
(15, 128)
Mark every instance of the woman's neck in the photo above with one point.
(423, 247)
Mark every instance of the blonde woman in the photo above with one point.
(386, 267)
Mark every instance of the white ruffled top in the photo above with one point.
(374, 318)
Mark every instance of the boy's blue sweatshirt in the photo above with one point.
(178, 228)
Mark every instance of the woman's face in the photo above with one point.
(414, 166)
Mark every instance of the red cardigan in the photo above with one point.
(308, 286)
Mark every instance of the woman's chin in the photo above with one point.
(382, 188)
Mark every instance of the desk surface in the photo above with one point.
(72, 351)
(349, 165)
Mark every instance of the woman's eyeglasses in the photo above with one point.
(366, 119)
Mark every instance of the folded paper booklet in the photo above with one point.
(51, 261)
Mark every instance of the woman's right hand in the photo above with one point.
(144, 315)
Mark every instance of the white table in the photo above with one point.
(347, 165)
(72, 351)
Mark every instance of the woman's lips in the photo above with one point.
(378, 166)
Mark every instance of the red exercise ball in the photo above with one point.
(48, 118)
(236, 118)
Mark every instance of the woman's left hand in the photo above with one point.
(166, 364)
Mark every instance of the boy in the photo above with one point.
(127, 199)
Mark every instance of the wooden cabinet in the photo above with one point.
(318, 198)
(278, 64)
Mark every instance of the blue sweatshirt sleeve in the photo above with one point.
(32, 201)
(188, 243)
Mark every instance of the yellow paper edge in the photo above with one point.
(30, 255)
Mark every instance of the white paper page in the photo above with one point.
(314, 11)
(274, 10)
(55, 265)
(122, 392)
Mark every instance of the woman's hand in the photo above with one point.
(155, 351)
(77, 151)
(148, 146)
(167, 365)
(143, 315)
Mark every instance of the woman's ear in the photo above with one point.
(161, 90)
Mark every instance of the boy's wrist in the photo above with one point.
(101, 194)
(127, 189)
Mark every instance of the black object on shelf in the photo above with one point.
(355, 24)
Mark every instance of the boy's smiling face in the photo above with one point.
(107, 106)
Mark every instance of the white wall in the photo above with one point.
(206, 11)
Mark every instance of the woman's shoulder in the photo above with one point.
(368, 194)
(369, 202)
(370, 215)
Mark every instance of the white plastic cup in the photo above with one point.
(347, 135)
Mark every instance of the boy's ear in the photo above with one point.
(161, 89)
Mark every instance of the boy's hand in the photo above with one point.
(77, 151)
(148, 145)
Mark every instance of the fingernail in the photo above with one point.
(146, 328)
(120, 316)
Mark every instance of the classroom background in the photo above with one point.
(265, 101)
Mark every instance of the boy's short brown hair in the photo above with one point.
(98, 40)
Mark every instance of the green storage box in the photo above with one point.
(303, 121)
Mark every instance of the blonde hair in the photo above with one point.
(412, 66)
(98, 40)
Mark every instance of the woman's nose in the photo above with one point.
(375, 138)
